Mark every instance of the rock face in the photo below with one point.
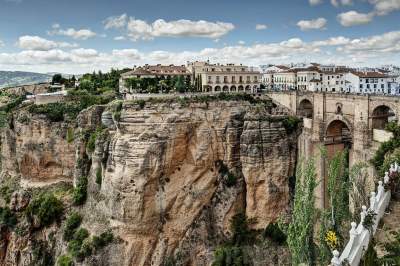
(37, 150)
(164, 175)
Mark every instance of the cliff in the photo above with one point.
(166, 177)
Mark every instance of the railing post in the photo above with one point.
(381, 190)
(335, 260)
(372, 201)
(363, 214)
(386, 178)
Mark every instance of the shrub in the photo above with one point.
(72, 223)
(75, 245)
(230, 180)
(65, 260)
(241, 232)
(290, 124)
(103, 240)
(98, 176)
(274, 232)
(225, 256)
(46, 207)
(79, 194)
(7, 218)
(42, 254)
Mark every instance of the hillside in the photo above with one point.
(15, 78)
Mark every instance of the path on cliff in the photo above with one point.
(390, 223)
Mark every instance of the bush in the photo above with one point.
(275, 233)
(230, 180)
(227, 256)
(65, 260)
(46, 207)
(72, 223)
(7, 218)
(103, 240)
(290, 124)
(241, 232)
(79, 194)
(75, 245)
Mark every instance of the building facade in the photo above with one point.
(225, 78)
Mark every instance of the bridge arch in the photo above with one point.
(382, 115)
(305, 108)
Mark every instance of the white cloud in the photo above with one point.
(1, 43)
(119, 38)
(136, 29)
(383, 7)
(353, 18)
(261, 27)
(82, 34)
(314, 24)
(386, 43)
(241, 42)
(115, 22)
(37, 43)
(337, 3)
(315, 2)
(333, 41)
(378, 49)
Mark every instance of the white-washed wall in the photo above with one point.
(360, 236)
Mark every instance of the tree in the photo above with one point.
(57, 78)
(301, 228)
(180, 84)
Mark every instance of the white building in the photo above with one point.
(368, 82)
(227, 78)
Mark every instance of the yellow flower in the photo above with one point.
(331, 240)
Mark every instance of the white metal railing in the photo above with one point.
(360, 236)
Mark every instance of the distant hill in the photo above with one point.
(16, 78)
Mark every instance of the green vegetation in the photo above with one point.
(65, 260)
(77, 100)
(274, 232)
(79, 194)
(232, 252)
(392, 256)
(72, 223)
(42, 254)
(231, 256)
(301, 229)
(7, 188)
(91, 143)
(159, 84)
(46, 208)
(98, 176)
(81, 245)
(291, 123)
(378, 161)
(116, 108)
(267, 103)
(70, 135)
(7, 218)
(230, 179)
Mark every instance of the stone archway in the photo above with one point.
(381, 116)
(240, 88)
(217, 88)
(225, 88)
(338, 138)
(233, 88)
(247, 88)
(305, 109)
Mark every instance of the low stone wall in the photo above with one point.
(359, 235)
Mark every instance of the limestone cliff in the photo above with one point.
(172, 174)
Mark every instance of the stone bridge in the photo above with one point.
(339, 121)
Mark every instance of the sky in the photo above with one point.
(72, 36)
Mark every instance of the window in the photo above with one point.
(361, 86)
(374, 86)
(382, 86)
(367, 86)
